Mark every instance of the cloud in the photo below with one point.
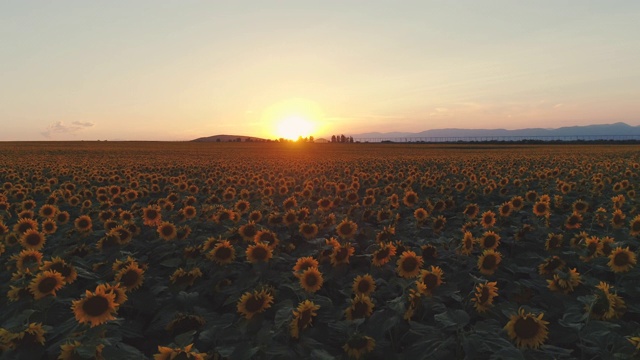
(59, 127)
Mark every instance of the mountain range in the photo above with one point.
(618, 128)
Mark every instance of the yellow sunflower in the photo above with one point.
(488, 262)
(248, 231)
(183, 277)
(167, 231)
(359, 345)
(49, 227)
(266, 237)
(46, 283)
(550, 265)
(471, 211)
(311, 279)
(527, 329)
(384, 254)
(223, 253)
(304, 263)
(484, 295)
(302, 317)
(430, 280)
(634, 226)
(309, 231)
(341, 254)
(69, 351)
(488, 219)
(564, 282)
(361, 307)
(33, 335)
(96, 307)
(364, 285)
(466, 247)
(346, 229)
(83, 224)
(622, 260)
(259, 253)
(131, 277)
(489, 240)
(553, 242)
(409, 264)
(32, 239)
(168, 353)
(252, 303)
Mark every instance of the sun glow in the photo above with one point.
(292, 118)
(293, 127)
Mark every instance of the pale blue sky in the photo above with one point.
(176, 70)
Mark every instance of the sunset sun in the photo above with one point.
(293, 127)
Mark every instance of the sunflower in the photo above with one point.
(593, 247)
(554, 241)
(346, 229)
(48, 211)
(310, 279)
(361, 307)
(439, 223)
(573, 221)
(527, 329)
(32, 239)
(488, 262)
(484, 295)
(248, 231)
(359, 345)
(259, 253)
(120, 293)
(517, 202)
(550, 265)
(131, 277)
(505, 209)
(254, 303)
(580, 206)
(28, 260)
(634, 226)
(384, 254)
(49, 227)
(255, 216)
(410, 198)
(266, 237)
(387, 234)
(168, 353)
(83, 224)
(606, 305)
(183, 277)
(166, 231)
(617, 219)
(69, 351)
(304, 263)
(223, 253)
(25, 224)
(471, 211)
(341, 254)
(302, 317)
(409, 264)
(429, 280)
(421, 215)
(62, 217)
(621, 260)
(488, 219)
(489, 240)
(466, 247)
(33, 335)
(96, 307)
(46, 283)
(309, 231)
(541, 208)
(241, 206)
(564, 281)
(364, 285)
(151, 215)
(120, 233)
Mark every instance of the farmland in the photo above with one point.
(240, 250)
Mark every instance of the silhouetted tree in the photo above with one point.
(343, 139)
(311, 138)
(333, 138)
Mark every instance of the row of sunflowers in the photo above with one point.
(243, 251)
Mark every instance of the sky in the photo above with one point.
(178, 70)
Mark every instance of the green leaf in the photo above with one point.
(319, 354)
(185, 339)
(453, 319)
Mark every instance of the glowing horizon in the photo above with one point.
(179, 71)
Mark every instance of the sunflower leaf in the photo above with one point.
(453, 319)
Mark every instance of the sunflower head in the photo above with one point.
(46, 283)
(310, 279)
(359, 345)
(361, 307)
(364, 285)
(96, 307)
(527, 330)
(484, 295)
(409, 264)
(252, 303)
(622, 260)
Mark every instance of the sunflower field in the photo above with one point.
(319, 251)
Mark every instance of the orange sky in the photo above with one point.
(150, 70)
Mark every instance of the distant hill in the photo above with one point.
(589, 130)
(228, 138)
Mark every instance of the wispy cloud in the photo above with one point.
(59, 127)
